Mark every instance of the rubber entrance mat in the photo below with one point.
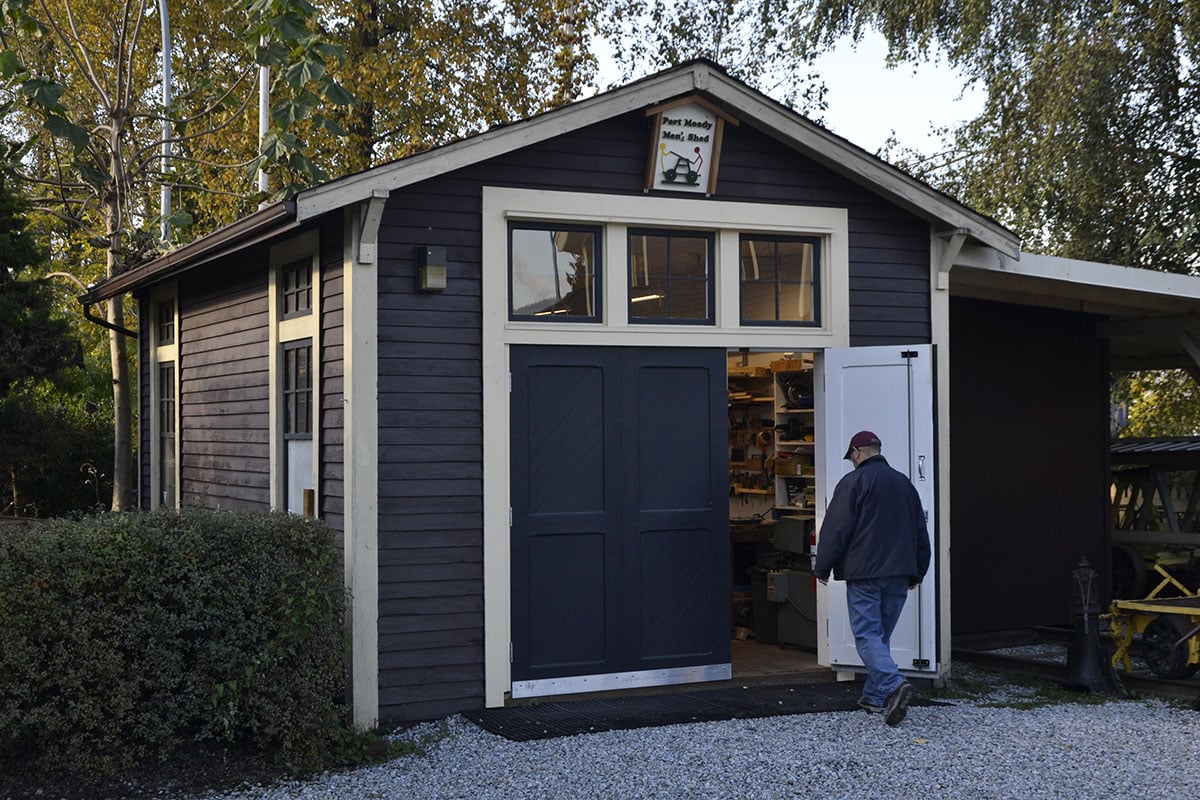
(572, 717)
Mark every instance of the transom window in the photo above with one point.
(780, 280)
(670, 276)
(166, 322)
(297, 288)
(553, 272)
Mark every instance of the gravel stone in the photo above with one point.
(970, 748)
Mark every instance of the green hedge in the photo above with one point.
(127, 637)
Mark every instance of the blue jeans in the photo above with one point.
(875, 605)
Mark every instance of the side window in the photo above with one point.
(296, 289)
(553, 272)
(295, 374)
(162, 445)
(297, 393)
(780, 280)
(671, 276)
(166, 322)
(166, 434)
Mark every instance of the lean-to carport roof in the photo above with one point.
(701, 76)
(1152, 318)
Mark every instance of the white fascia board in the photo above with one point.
(848, 159)
(1083, 273)
(783, 123)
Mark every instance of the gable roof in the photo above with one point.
(696, 77)
(699, 76)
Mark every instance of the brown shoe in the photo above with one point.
(897, 704)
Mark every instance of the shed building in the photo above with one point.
(532, 376)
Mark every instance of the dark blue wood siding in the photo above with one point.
(332, 492)
(430, 386)
(224, 396)
(143, 402)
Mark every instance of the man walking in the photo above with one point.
(875, 538)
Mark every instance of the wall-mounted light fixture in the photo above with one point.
(431, 269)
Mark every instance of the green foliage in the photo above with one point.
(1087, 143)
(1161, 403)
(33, 343)
(1086, 146)
(51, 431)
(56, 445)
(128, 637)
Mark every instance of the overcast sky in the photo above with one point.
(867, 100)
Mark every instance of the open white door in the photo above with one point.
(888, 390)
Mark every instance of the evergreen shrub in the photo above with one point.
(135, 636)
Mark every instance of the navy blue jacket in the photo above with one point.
(874, 527)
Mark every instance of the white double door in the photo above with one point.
(890, 391)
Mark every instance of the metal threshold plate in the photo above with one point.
(578, 684)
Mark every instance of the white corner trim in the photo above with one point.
(361, 472)
(939, 312)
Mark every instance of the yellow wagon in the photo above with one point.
(1168, 627)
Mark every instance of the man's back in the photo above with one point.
(874, 526)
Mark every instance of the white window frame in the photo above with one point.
(616, 214)
(285, 331)
(161, 354)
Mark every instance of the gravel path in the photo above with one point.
(1119, 749)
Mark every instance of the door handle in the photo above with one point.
(920, 468)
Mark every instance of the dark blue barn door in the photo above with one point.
(620, 539)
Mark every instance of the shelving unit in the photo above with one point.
(795, 434)
(772, 432)
(752, 439)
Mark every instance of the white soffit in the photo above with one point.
(1150, 319)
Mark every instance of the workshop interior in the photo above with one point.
(772, 508)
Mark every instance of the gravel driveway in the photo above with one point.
(991, 745)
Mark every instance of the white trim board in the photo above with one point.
(360, 533)
(1081, 274)
(616, 214)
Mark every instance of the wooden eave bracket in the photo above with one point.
(1191, 344)
(370, 215)
(955, 239)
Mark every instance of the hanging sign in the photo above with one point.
(686, 147)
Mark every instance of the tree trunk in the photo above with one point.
(122, 497)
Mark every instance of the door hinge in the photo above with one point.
(510, 652)
(510, 383)
(921, 663)
(510, 516)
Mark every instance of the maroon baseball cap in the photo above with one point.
(862, 439)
